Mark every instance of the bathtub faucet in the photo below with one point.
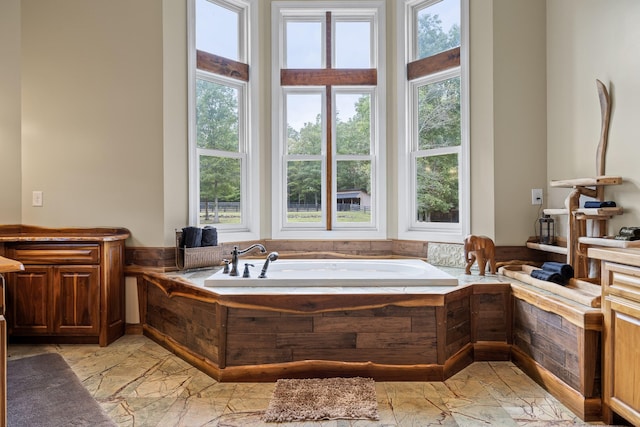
(235, 253)
(272, 257)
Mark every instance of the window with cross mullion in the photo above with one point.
(328, 130)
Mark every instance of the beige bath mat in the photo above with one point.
(323, 399)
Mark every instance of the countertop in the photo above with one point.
(29, 233)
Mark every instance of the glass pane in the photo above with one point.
(353, 199)
(219, 190)
(304, 123)
(353, 45)
(217, 30)
(353, 123)
(303, 45)
(437, 28)
(437, 187)
(439, 114)
(217, 119)
(304, 191)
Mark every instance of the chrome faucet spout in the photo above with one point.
(272, 257)
(235, 253)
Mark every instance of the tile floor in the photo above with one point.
(139, 383)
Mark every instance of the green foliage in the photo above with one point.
(217, 129)
(431, 37)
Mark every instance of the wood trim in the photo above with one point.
(329, 190)
(222, 314)
(584, 317)
(432, 64)
(588, 409)
(329, 77)
(3, 371)
(223, 66)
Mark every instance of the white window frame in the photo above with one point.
(408, 226)
(281, 12)
(248, 102)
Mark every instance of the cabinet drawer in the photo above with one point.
(56, 253)
(621, 280)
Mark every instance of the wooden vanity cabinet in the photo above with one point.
(621, 333)
(69, 292)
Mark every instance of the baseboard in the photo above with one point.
(588, 409)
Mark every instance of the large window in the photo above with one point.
(223, 150)
(434, 160)
(328, 151)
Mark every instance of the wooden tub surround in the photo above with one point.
(390, 337)
(266, 337)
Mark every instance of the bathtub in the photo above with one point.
(335, 273)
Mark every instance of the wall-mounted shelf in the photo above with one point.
(609, 241)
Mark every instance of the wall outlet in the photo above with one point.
(536, 196)
(36, 198)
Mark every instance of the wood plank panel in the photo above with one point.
(220, 65)
(241, 325)
(395, 341)
(329, 77)
(316, 340)
(438, 62)
(362, 324)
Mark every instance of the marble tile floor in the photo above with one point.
(139, 383)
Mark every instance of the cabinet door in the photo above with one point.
(76, 300)
(29, 301)
(623, 355)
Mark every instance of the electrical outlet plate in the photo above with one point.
(36, 198)
(536, 196)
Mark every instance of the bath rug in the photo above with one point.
(43, 391)
(318, 399)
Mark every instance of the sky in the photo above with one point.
(217, 32)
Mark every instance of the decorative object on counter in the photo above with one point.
(482, 249)
(628, 233)
(546, 229)
(598, 204)
(188, 258)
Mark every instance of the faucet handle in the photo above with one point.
(245, 274)
(226, 266)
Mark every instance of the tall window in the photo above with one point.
(435, 155)
(328, 154)
(221, 140)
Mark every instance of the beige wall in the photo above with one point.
(92, 123)
(589, 40)
(519, 116)
(10, 175)
(103, 120)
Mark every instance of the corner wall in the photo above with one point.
(589, 40)
(92, 134)
(10, 172)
